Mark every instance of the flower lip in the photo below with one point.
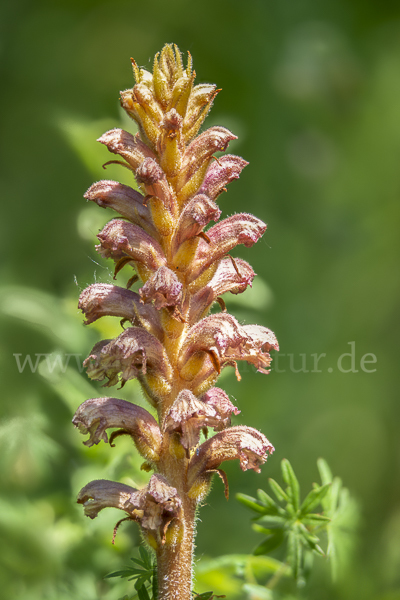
(189, 415)
(163, 287)
(132, 353)
(119, 238)
(240, 228)
(96, 415)
(130, 147)
(102, 299)
(247, 444)
(220, 173)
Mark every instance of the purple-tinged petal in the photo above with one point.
(124, 200)
(219, 400)
(120, 238)
(226, 341)
(102, 299)
(231, 276)
(225, 235)
(250, 446)
(197, 213)
(188, 416)
(163, 287)
(155, 183)
(133, 353)
(129, 146)
(217, 334)
(220, 173)
(102, 493)
(158, 504)
(98, 414)
(200, 151)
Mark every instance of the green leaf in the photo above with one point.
(273, 520)
(122, 573)
(291, 480)
(251, 503)
(265, 499)
(278, 491)
(263, 530)
(143, 593)
(295, 553)
(314, 518)
(204, 596)
(140, 581)
(272, 542)
(314, 498)
(146, 557)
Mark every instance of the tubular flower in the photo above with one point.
(173, 346)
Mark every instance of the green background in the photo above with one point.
(312, 90)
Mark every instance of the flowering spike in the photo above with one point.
(172, 347)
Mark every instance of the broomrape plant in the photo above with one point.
(173, 346)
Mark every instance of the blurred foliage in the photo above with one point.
(312, 90)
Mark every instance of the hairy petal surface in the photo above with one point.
(200, 151)
(220, 173)
(163, 287)
(219, 400)
(123, 199)
(129, 146)
(132, 353)
(231, 276)
(222, 237)
(189, 415)
(102, 493)
(159, 504)
(248, 445)
(197, 213)
(97, 415)
(102, 299)
(120, 238)
(153, 178)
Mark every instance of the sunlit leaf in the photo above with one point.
(278, 491)
(269, 544)
(250, 502)
(314, 498)
(292, 482)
